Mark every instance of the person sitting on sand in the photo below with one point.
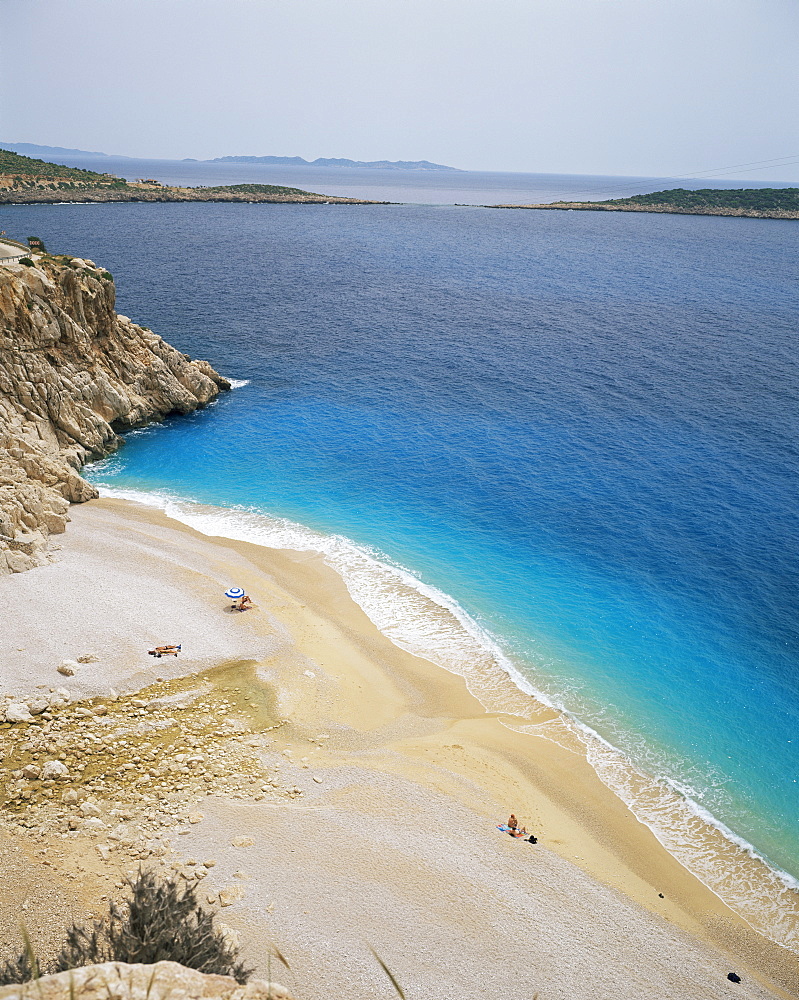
(513, 824)
(245, 604)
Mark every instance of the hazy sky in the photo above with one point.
(638, 87)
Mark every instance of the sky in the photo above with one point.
(627, 87)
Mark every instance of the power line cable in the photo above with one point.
(790, 160)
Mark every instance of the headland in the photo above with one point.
(741, 203)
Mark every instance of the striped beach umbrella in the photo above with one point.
(234, 593)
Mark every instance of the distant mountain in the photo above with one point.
(31, 149)
(298, 161)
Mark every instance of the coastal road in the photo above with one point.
(11, 251)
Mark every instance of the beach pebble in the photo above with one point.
(70, 797)
(196, 817)
(94, 824)
(86, 658)
(31, 772)
(230, 936)
(67, 668)
(231, 894)
(210, 863)
(242, 842)
(265, 989)
(88, 808)
(317, 779)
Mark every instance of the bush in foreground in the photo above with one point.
(161, 921)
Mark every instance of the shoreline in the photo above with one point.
(422, 620)
(588, 206)
(403, 724)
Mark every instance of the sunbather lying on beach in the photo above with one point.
(160, 651)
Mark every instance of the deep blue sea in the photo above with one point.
(583, 428)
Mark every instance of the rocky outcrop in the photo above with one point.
(73, 374)
(121, 981)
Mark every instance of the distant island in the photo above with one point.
(298, 161)
(748, 203)
(31, 149)
(24, 180)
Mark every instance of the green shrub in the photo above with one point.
(107, 275)
(161, 921)
(27, 262)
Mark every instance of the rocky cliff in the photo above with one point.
(73, 374)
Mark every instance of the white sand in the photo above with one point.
(116, 595)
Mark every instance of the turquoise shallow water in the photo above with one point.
(582, 427)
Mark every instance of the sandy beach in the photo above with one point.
(388, 778)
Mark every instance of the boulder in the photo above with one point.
(18, 712)
(54, 770)
(162, 981)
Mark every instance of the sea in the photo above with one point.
(559, 447)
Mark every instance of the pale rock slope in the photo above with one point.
(73, 374)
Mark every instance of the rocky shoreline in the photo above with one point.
(592, 206)
(131, 192)
(73, 373)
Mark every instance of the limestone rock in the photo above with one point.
(54, 770)
(231, 894)
(18, 712)
(162, 981)
(67, 668)
(31, 772)
(73, 372)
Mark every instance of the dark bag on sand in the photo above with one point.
(532, 839)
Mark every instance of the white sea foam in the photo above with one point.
(423, 620)
(238, 383)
